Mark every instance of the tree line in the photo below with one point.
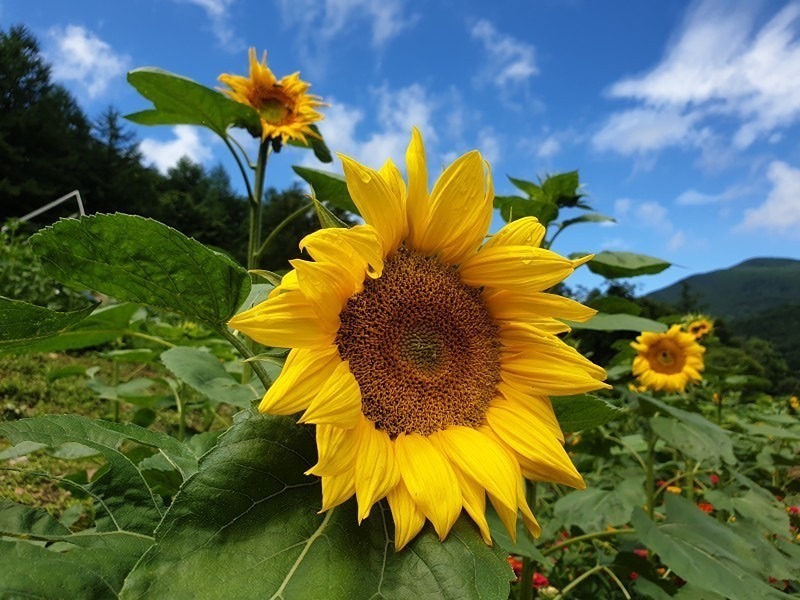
(49, 147)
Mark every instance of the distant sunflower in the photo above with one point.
(700, 328)
(284, 106)
(667, 361)
(424, 356)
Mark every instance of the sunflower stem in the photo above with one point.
(239, 162)
(253, 247)
(587, 537)
(651, 479)
(575, 582)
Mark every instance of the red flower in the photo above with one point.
(705, 507)
(634, 576)
(641, 552)
(539, 581)
(793, 510)
(714, 479)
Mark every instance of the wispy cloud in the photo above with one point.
(721, 67)
(508, 61)
(218, 13)
(397, 110)
(79, 56)
(165, 154)
(780, 212)
(318, 22)
(692, 197)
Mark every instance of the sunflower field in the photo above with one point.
(417, 408)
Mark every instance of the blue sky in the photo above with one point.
(682, 117)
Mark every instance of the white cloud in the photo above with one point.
(692, 197)
(780, 212)
(218, 13)
(324, 20)
(508, 60)
(641, 130)
(549, 147)
(622, 206)
(647, 213)
(397, 112)
(721, 64)
(165, 154)
(489, 145)
(79, 56)
(677, 241)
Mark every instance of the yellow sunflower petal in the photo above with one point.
(287, 320)
(532, 440)
(289, 282)
(376, 202)
(376, 470)
(303, 374)
(408, 518)
(522, 232)
(338, 402)
(545, 374)
(508, 516)
(531, 524)
(430, 480)
(473, 498)
(460, 211)
(513, 305)
(482, 460)
(522, 268)
(336, 450)
(538, 407)
(359, 249)
(394, 179)
(326, 286)
(336, 489)
(417, 201)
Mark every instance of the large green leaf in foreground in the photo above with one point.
(22, 323)
(124, 501)
(140, 260)
(705, 552)
(246, 526)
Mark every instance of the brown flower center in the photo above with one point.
(272, 104)
(422, 346)
(666, 357)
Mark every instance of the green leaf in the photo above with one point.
(613, 265)
(530, 188)
(514, 207)
(104, 325)
(321, 150)
(591, 218)
(618, 322)
(125, 502)
(704, 552)
(584, 411)
(140, 260)
(696, 434)
(595, 509)
(525, 546)
(18, 519)
(89, 567)
(181, 101)
(329, 187)
(22, 324)
(250, 505)
(325, 216)
(562, 189)
(615, 305)
(205, 373)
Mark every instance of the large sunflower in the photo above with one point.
(667, 361)
(424, 356)
(285, 107)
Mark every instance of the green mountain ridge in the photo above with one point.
(741, 291)
(759, 297)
